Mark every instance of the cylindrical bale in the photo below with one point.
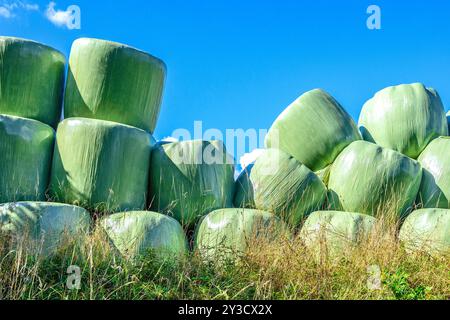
(435, 187)
(43, 226)
(225, 234)
(26, 148)
(335, 231)
(427, 230)
(370, 179)
(404, 118)
(314, 129)
(101, 165)
(278, 183)
(138, 233)
(115, 82)
(188, 179)
(31, 80)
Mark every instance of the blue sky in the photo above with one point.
(239, 63)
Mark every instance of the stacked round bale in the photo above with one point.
(103, 147)
(411, 120)
(31, 88)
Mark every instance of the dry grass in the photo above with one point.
(283, 268)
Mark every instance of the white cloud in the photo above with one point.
(8, 9)
(58, 17)
(249, 158)
(5, 13)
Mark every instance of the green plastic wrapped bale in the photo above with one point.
(314, 129)
(115, 82)
(280, 184)
(26, 148)
(427, 230)
(43, 226)
(225, 234)
(335, 231)
(31, 80)
(370, 179)
(188, 179)
(404, 118)
(135, 233)
(101, 165)
(435, 188)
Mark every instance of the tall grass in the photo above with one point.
(282, 268)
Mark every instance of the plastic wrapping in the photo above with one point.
(31, 80)
(336, 231)
(324, 174)
(115, 82)
(280, 184)
(26, 148)
(43, 226)
(101, 165)
(435, 187)
(314, 129)
(427, 230)
(404, 118)
(188, 179)
(370, 179)
(135, 233)
(226, 233)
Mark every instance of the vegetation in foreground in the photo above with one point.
(379, 268)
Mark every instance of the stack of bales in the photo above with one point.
(31, 88)
(290, 177)
(315, 139)
(101, 154)
(103, 147)
(318, 165)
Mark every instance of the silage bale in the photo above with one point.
(101, 165)
(334, 232)
(280, 184)
(404, 118)
(314, 129)
(43, 226)
(115, 82)
(427, 230)
(26, 148)
(370, 179)
(226, 234)
(191, 178)
(435, 187)
(136, 233)
(31, 80)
